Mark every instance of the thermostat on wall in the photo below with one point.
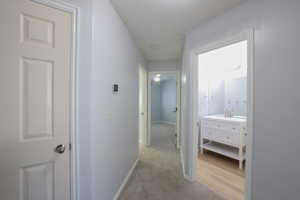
(115, 88)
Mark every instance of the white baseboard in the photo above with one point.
(167, 122)
(125, 181)
(187, 177)
(163, 122)
(156, 122)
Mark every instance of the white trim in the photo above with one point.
(143, 82)
(163, 122)
(156, 122)
(75, 12)
(148, 134)
(245, 35)
(166, 122)
(187, 177)
(250, 125)
(125, 181)
(178, 102)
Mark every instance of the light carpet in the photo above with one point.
(158, 175)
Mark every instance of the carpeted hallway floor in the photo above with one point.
(158, 175)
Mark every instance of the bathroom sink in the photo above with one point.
(235, 118)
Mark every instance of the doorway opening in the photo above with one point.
(163, 108)
(222, 117)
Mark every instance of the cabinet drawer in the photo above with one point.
(228, 133)
(205, 123)
(238, 128)
(226, 137)
(216, 125)
(224, 126)
(232, 139)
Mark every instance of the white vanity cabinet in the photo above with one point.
(226, 136)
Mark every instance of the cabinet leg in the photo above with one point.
(201, 144)
(241, 164)
(241, 157)
(201, 150)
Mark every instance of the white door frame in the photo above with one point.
(178, 104)
(242, 36)
(144, 100)
(75, 12)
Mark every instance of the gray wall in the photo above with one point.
(155, 102)
(168, 101)
(163, 101)
(276, 159)
(114, 117)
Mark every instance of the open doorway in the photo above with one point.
(163, 108)
(222, 117)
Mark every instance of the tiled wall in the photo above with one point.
(216, 96)
(236, 95)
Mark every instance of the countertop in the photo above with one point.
(221, 117)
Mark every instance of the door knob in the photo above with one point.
(60, 149)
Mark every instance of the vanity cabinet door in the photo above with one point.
(207, 133)
(228, 138)
(237, 127)
(235, 139)
(223, 132)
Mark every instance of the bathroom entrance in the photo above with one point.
(222, 146)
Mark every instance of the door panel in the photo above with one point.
(35, 101)
(37, 30)
(142, 104)
(37, 182)
(37, 93)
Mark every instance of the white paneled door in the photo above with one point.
(142, 105)
(35, 44)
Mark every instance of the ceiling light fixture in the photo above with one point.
(156, 79)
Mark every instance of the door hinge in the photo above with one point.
(70, 146)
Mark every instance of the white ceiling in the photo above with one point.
(158, 26)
